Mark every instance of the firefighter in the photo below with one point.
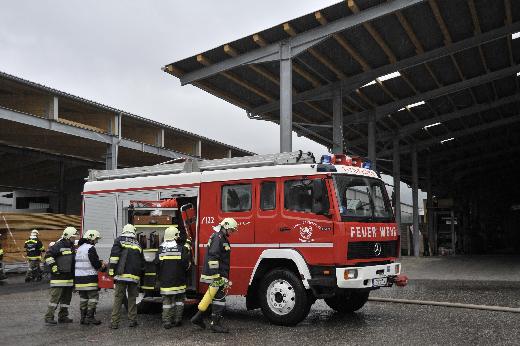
(86, 278)
(60, 258)
(34, 249)
(216, 274)
(2, 275)
(126, 266)
(173, 261)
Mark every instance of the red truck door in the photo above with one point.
(299, 219)
(230, 199)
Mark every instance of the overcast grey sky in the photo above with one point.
(112, 51)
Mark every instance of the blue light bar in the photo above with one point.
(367, 164)
(326, 159)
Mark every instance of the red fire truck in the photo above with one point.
(307, 230)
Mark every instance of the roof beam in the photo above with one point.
(465, 84)
(259, 40)
(354, 82)
(457, 134)
(48, 124)
(416, 126)
(373, 32)
(300, 42)
(343, 43)
(316, 54)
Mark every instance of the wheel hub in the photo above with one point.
(281, 297)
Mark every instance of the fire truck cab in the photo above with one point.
(307, 230)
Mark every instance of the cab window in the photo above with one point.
(268, 195)
(236, 197)
(306, 196)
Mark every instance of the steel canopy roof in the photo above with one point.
(455, 96)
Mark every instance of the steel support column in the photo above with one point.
(372, 140)
(337, 123)
(111, 156)
(415, 202)
(61, 187)
(429, 210)
(285, 99)
(396, 165)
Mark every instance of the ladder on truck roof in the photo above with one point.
(190, 165)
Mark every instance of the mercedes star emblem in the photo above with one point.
(377, 249)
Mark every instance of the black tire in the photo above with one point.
(347, 301)
(291, 313)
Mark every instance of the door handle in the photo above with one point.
(284, 229)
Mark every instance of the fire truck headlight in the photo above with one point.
(350, 274)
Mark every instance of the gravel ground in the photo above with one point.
(23, 305)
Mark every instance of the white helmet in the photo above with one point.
(128, 230)
(171, 233)
(34, 233)
(69, 232)
(92, 234)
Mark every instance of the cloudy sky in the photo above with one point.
(112, 52)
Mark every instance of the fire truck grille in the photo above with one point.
(371, 249)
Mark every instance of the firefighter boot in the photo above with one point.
(91, 317)
(83, 316)
(198, 319)
(49, 316)
(63, 316)
(216, 325)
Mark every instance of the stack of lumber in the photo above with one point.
(15, 229)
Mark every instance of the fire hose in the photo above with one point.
(446, 304)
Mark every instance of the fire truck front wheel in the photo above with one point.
(283, 298)
(345, 301)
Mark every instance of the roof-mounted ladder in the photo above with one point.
(190, 165)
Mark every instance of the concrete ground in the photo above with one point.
(22, 307)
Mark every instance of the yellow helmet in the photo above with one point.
(128, 230)
(229, 224)
(92, 234)
(69, 232)
(171, 233)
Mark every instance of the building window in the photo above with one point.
(236, 197)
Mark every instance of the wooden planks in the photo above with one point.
(15, 229)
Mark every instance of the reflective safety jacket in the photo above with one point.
(126, 260)
(217, 258)
(87, 266)
(33, 249)
(60, 257)
(173, 261)
(1, 253)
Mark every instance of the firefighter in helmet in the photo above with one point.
(34, 249)
(126, 266)
(60, 258)
(173, 261)
(86, 276)
(216, 274)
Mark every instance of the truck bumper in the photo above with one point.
(363, 277)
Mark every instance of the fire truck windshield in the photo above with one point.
(362, 199)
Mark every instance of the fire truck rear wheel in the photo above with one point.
(346, 301)
(283, 298)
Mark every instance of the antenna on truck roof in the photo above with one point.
(194, 165)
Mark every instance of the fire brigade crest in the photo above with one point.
(306, 229)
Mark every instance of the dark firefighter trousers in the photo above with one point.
(173, 307)
(120, 290)
(59, 296)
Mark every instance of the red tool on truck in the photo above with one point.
(308, 230)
